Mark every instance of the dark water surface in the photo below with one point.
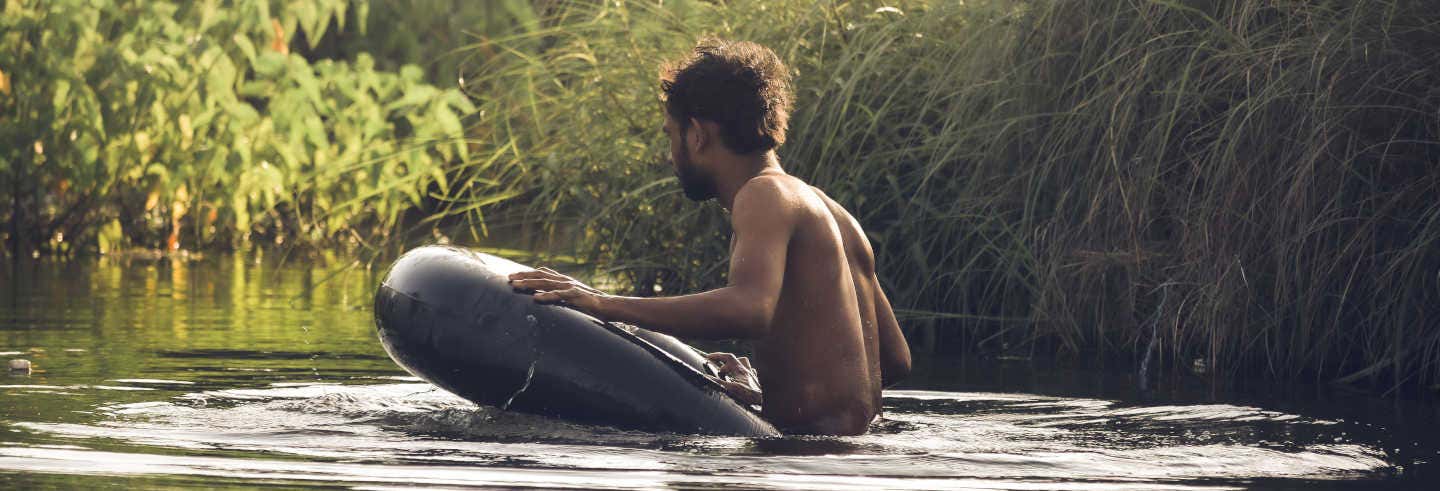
(236, 372)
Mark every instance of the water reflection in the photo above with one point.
(232, 370)
(933, 439)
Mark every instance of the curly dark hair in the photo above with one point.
(741, 86)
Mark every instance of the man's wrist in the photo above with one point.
(605, 308)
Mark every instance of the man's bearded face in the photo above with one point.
(698, 186)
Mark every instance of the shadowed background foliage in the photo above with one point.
(1245, 187)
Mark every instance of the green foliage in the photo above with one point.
(193, 124)
(1249, 183)
(427, 33)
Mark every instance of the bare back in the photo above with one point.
(821, 363)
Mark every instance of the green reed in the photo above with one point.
(1248, 186)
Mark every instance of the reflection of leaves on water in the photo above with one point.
(233, 354)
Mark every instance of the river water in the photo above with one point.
(244, 370)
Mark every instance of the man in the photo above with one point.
(802, 280)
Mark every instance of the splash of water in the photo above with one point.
(529, 374)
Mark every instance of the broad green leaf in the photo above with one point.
(246, 47)
(220, 79)
(61, 96)
(411, 73)
(308, 15)
(269, 63)
(416, 95)
(448, 122)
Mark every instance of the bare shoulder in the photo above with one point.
(770, 194)
(776, 183)
(841, 214)
(846, 222)
(765, 204)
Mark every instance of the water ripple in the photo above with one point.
(927, 440)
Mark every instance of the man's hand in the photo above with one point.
(738, 378)
(552, 287)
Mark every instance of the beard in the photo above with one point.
(697, 185)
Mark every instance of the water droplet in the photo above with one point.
(529, 374)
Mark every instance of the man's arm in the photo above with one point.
(894, 351)
(763, 222)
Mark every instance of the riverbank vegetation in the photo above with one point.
(1243, 187)
(210, 125)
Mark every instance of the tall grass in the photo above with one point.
(1251, 183)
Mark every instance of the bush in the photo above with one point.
(156, 124)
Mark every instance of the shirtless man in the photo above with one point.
(802, 280)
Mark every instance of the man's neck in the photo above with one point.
(738, 170)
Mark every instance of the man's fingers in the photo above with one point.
(741, 392)
(729, 365)
(721, 358)
(726, 361)
(524, 275)
(541, 284)
(557, 295)
(729, 386)
(532, 283)
(552, 274)
(542, 273)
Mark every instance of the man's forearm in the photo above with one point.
(716, 314)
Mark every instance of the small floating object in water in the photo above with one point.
(19, 365)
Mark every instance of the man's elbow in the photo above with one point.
(754, 323)
(751, 318)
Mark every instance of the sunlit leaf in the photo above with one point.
(61, 93)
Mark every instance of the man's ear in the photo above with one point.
(699, 135)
